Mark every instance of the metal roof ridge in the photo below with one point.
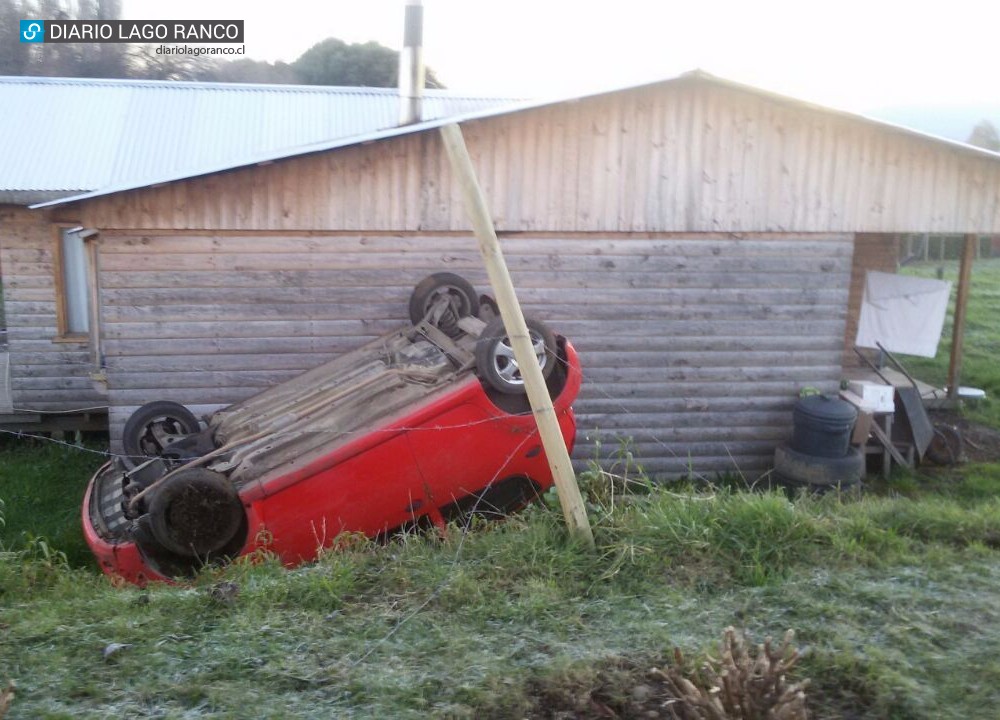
(238, 87)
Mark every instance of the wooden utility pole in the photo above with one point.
(961, 304)
(573, 507)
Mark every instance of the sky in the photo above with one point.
(847, 54)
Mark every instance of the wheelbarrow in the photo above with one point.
(939, 443)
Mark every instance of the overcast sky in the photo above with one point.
(855, 55)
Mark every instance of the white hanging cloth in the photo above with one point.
(905, 314)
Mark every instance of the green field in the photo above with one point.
(981, 348)
(42, 485)
(893, 598)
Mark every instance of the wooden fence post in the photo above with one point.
(572, 503)
(961, 304)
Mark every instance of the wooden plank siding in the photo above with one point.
(44, 375)
(682, 157)
(693, 345)
(694, 239)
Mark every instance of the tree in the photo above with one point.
(330, 62)
(107, 60)
(15, 57)
(102, 60)
(145, 63)
(334, 62)
(985, 135)
(251, 71)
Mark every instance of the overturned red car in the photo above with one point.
(422, 426)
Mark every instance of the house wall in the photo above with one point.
(680, 157)
(693, 345)
(44, 374)
(695, 241)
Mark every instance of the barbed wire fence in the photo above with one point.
(464, 527)
(647, 433)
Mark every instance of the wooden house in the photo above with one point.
(64, 136)
(703, 244)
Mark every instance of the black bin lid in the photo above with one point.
(826, 407)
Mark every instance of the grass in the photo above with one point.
(894, 597)
(42, 485)
(981, 346)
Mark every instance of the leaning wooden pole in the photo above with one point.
(961, 306)
(573, 507)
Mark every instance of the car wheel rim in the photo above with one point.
(505, 363)
(159, 434)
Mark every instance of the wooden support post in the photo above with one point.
(961, 304)
(573, 507)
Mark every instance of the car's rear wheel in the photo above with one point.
(195, 513)
(443, 299)
(154, 427)
(495, 361)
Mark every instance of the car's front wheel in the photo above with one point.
(495, 361)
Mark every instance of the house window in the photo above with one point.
(74, 278)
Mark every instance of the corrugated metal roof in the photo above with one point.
(501, 108)
(61, 136)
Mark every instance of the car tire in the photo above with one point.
(495, 358)
(947, 446)
(195, 513)
(462, 297)
(155, 426)
(819, 472)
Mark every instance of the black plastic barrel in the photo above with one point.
(823, 426)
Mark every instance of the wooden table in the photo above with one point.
(877, 437)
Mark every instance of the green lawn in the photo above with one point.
(893, 598)
(42, 485)
(980, 367)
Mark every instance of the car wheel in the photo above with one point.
(461, 297)
(495, 360)
(154, 427)
(819, 472)
(195, 513)
(947, 446)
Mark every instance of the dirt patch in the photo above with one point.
(625, 689)
(981, 442)
(744, 681)
(619, 688)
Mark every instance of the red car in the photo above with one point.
(422, 426)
